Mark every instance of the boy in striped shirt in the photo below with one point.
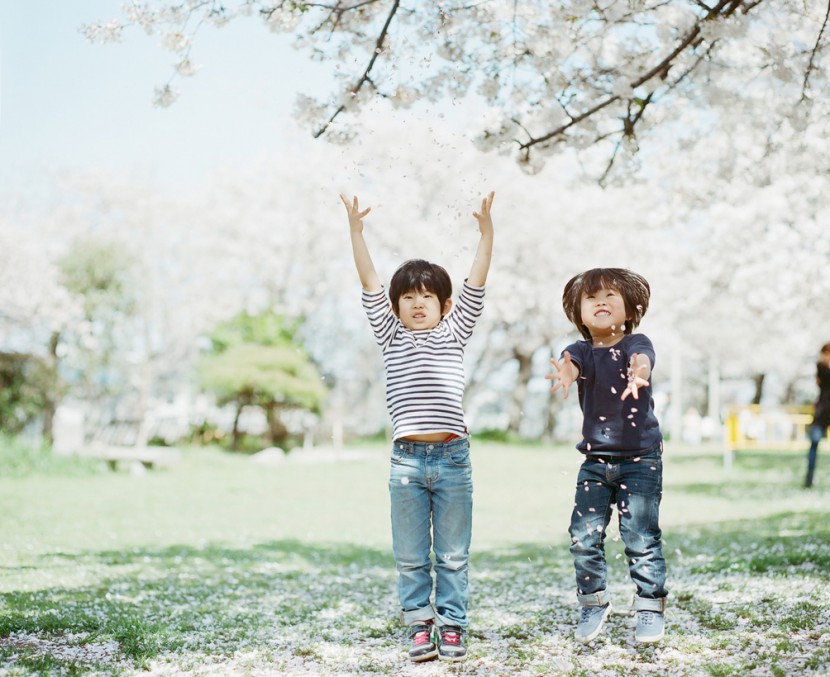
(422, 336)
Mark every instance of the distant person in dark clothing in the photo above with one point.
(821, 414)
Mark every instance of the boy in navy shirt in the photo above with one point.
(622, 445)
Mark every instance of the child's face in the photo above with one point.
(603, 312)
(421, 310)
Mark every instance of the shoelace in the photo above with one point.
(421, 637)
(451, 638)
(588, 611)
(646, 618)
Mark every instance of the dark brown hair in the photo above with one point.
(633, 288)
(419, 275)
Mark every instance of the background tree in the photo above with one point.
(100, 274)
(35, 309)
(29, 387)
(257, 362)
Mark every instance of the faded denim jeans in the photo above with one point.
(635, 486)
(816, 434)
(431, 490)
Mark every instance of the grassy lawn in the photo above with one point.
(222, 566)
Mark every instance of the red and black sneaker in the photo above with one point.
(422, 645)
(452, 646)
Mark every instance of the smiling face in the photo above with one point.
(421, 310)
(603, 313)
(630, 290)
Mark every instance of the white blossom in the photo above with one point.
(165, 96)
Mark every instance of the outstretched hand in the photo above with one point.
(354, 213)
(566, 373)
(635, 378)
(485, 222)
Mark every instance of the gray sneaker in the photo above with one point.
(651, 623)
(650, 627)
(591, 620)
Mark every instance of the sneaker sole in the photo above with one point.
(452, 659)
(649, 640)
(425, 657)
(595, 633)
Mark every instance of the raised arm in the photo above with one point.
(363, 261)
(484, 252)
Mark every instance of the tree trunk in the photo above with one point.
(235, 434)
(51, 396)
(789, 392)
(549, 432)
(713, 390)
(144, 389)
(758, 379)
(520, 391)
(276, 429)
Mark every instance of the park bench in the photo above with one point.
(146, 457)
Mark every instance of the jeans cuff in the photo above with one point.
(647, 604)
(427, 613)
(593, 599)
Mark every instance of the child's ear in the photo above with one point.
(447, 306)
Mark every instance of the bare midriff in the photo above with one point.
(430, 437)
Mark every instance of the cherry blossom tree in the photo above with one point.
(35, 308)
(611, 77)
(98, 224)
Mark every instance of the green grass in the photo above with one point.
(222, 566)
(20, 459)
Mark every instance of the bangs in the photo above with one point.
(418, 281)
(598, 278)
(633, 288)
(417, 275)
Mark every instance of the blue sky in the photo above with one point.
(66, 104)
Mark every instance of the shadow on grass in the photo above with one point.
(156, 600)
(215, 601)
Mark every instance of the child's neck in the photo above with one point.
(606, 341)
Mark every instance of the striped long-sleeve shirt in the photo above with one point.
(425, 369)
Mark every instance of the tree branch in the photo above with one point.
(723, 8)
(365, 77)
(810, 64)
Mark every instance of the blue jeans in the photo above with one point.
(816, 433)
(635, 486)
(431, 490)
